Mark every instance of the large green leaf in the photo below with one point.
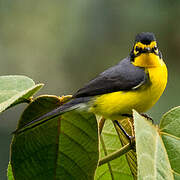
(117, 168)
(170, 133)
(152, 157)
(131, 156)
(15, 90)
(64, 148)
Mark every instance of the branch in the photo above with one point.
(117, 153)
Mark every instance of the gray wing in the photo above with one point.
(121, 77)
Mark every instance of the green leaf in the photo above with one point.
(65, 147)
(170, 133)
(15, 90)
(131, 156)
(117, 168)
(9, 172)
(152, 157)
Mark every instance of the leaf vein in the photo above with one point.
(84, 132)
(170, 135)
(80, 168)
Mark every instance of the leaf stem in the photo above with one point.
(116, 154)
(101, 124)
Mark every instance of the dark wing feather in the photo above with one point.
(123, 76)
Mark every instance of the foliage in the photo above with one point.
(109, 143)
(60, 149)
(15, 90)
(158, 148)
(67, 147)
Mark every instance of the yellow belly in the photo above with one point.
(113, 105)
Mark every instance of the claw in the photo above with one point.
(148, 117)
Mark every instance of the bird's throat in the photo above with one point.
(147, 60)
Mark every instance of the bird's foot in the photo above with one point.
(130, 138)
(148, 117)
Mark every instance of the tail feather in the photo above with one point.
(69, 106)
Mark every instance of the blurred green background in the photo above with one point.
(65, 43)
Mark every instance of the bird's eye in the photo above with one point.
(155, 47)
(138, 49)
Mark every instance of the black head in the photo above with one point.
(145, 42)
(145, 37)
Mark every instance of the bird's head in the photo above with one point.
(145, 52)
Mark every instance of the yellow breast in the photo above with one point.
(113, 105)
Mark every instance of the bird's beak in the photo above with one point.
(147, 50)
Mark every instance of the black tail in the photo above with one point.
(71, 105)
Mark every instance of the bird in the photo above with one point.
(136, 82)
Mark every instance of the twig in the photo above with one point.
(116, 154)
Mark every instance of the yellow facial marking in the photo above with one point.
(149, 59)
(151, 45)
(143, 46)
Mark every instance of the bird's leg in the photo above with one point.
(130, 138)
